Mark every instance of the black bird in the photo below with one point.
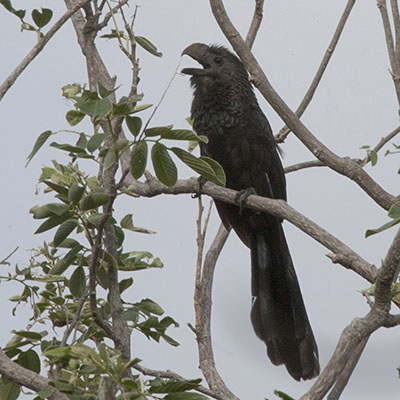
(240, 138)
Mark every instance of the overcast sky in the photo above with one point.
(355, 105)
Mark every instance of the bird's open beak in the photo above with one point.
(198, 52)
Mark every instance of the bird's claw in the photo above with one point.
(200, 183)
(242, 197)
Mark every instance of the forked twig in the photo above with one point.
(282, 134)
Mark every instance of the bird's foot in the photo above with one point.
(242, 197)
(200, 183)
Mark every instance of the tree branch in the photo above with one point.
(38, 48)
(360, 329)
(394, 62)
(343, 166)
(202, 299)
(348, 258)
(255, 23)
(25, 377)
(345, 375)
(282, 134)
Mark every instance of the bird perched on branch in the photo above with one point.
(225, 110)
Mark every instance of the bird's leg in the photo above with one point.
(242, 197)
(200, 183)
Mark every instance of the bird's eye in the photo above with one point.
(218, 60)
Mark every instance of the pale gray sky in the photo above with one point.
(355, 105)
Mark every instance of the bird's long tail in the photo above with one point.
(278, 313)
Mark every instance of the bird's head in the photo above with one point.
(219, 65)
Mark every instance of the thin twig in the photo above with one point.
(255, 23)
(75, 320)
(303, 165)
(38, 48)
(162, 96)
(390, 46)
(109, 15)
(386, 139)
(4, 260)
(282, 134)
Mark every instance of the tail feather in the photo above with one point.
(278, 313)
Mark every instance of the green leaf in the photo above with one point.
(40, 141)
(77, 282)
(164, 167)
(125, 284)
(142, 107)
(103, 92)
(74, 117)
(110, 159)
(96, 140)
(94, 200)
(199, 165)
(150, 306)
(158, 131)
(45, 393)
(217, 168)
(67, 147)
(374, 157)
(50, 223)
(388, 225)
(282, 395)
(30, 335)
(98, 108)
(9, 390)
(57, 188)
(42, 18)
(185, 396)
(394, 211)
(134, 124)
(183, 134)
(139, 159)
(147, 45)
(171, 386)
(127, 222)
(65, 262)
(57, 208)
(29, 360)
(126, 105)
(64, 230)
(75, 193)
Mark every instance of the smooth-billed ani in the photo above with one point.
(225, 110)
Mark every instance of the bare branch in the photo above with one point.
(348, 258)
(387, 274)
(303, 165)
(38, 48)
(203, 296)
(25, 377)
(390, 46)
(344, 166)
(282, 134)
(345, 375)
(360, 329)
(173, 375)
(109, 15)
(386, 139)
(255, 23)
